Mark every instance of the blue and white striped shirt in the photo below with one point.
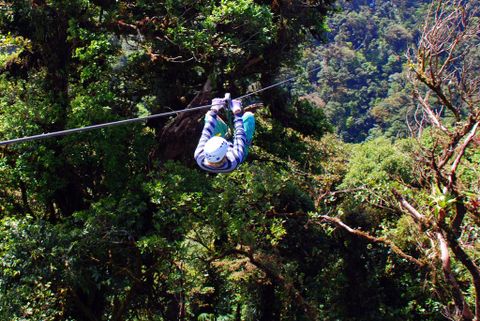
(235, 151)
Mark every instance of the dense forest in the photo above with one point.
(359, 199)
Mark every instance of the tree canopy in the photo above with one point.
(359, 199)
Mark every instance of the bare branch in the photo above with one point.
(417, 216)
(458, 296)
(463, 257)
(447, 40)
(431, 115)
(461, 152)
(445, 66)
(373, 239)
(449, 151)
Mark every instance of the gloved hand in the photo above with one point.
(217, 104)
(236, 106)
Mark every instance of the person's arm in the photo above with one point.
(207, 132)
(240, 139)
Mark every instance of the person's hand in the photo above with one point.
(217, 104)
(236, 106)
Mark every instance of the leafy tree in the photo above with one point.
(95, 225)
(433, 191)
(103, 225)
(358, 78)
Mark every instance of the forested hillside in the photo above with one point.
(361, 84)
(359, 199)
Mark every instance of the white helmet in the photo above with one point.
(215, 149)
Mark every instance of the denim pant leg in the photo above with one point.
(249, 127)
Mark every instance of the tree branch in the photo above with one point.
(334, 193)
(419, 218)
(431, 115)
(287, 285)
(461, 152)
(458, 297)
(373, 239)
(454, 141)
(472, 268)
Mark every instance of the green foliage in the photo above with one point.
(295, 144)
(101, 226)
(11, 48)
(219, 30)
(309, 120)
(358, 80)
(20, 252)
(375, 168)
(379, 164)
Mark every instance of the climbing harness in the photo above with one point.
(140, 119)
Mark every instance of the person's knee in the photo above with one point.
(249, 126)
(248, 115)
(249, 118)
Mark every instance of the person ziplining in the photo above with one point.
(215, 149)
(214, 152)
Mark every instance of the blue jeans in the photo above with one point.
(248, 118)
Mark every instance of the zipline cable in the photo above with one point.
(138, 119)
(92, 127)
(277, 84)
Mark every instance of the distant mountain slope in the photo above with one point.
(359, 85)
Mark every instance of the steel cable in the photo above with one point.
(138, 119)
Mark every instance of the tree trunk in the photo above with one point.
(268, 305)
(178, 139)
(462, 308)
(472, 268)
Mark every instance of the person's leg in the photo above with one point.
(249, 127)
(221, 128)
